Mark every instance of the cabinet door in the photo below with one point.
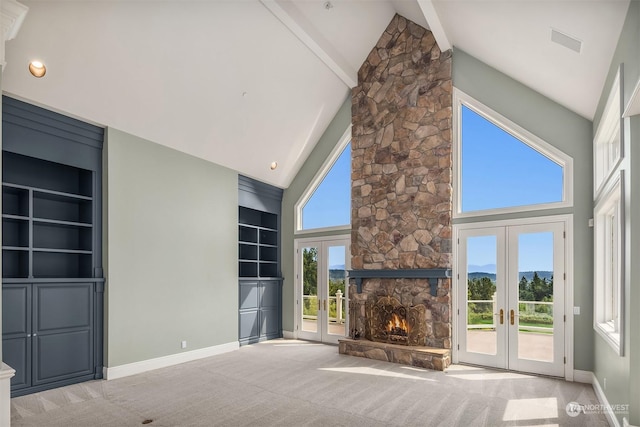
(16, 332)
(270, 309)
(63, 331)
(249, 308)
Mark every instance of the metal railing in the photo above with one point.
(530, 309)
(338, 301)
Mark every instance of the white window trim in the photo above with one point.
(613, 193)
(315, 182)
(611, 117)
(552, 153)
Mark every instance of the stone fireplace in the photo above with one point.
(402, 199)
(389, 321)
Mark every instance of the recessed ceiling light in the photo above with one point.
(566, 40)
(328, 5)
(273, 165)
(37, 69)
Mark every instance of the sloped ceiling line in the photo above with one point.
(313, 40)
(435, 25)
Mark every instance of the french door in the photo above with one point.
(321, 291)
(511, 282)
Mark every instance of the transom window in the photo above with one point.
(607, 143)
(500, 167)
(327, 202)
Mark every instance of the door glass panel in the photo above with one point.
(481, 294)
(337, 297)
(310, 289)
(535, 296)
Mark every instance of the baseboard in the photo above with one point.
(602, 398)
(289, 335)
(585, 377)
(162, 362)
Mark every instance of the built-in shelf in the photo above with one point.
(51, 193)
(260, 284)
(52, 285)
(258, 244)
(60, 222)
(47, 219)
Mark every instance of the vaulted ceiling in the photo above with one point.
(244, 83)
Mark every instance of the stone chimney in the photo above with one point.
(401, 171)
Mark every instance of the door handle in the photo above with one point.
(501, 316)
(324, 304)
(513, 315)
(319, 304)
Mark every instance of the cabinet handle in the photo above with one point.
(28, 335)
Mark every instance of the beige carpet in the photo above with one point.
(295, 383)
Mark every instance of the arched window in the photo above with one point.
(327, 202)
(500, 167)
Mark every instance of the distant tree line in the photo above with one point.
(536, 289)
(539, 289)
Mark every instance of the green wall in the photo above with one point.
(170, 221)
(623, 373)
(566, 131)
(312, 165)
(0, 211)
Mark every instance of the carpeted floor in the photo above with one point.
(296, 383)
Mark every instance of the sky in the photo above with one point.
(534, 252)
(337, 256)
(330, 204)
(498, 171)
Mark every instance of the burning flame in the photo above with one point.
(397, 324)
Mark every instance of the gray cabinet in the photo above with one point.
(260, 284)
(259, 315)
(48, 332)
(52, 284)
(16, 332)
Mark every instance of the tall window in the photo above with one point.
(608, 141)
(609, 221)
(327, 204)
(503, 168)
(609, 238)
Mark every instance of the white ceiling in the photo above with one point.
(245, 83)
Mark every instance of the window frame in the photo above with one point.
(344, 140)
(609, 277)
(611, 122)
(565, 161)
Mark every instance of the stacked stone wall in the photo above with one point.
(401, 171)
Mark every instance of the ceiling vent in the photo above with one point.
(566, 40)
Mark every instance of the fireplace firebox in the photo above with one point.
(389, 321)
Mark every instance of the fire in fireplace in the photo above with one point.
(391, 322)
(397, 326)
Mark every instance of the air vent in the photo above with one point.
(566, 40)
